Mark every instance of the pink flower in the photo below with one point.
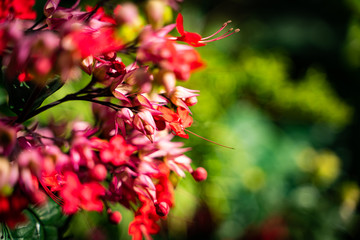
(81, 153)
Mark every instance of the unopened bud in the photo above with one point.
(87, 65)
(126, 114)
(98, 172)
(42, 66)
(191, 101)
(114, 217)
(127, 13)
(111, 56)
(162, 209)
(199, 174)
(168, 79)
(149, 129)
(155, 12)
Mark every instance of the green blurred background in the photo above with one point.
(283, 92)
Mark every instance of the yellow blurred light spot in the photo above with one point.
(350, 195)
(254, 179)
(327, 167)
(305, 160)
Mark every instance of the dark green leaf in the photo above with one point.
(44, 222)
(4, 232)
(28, 95)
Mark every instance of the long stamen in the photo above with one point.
(208, 139)
(223, 26)
(56, 199)
(222, 36)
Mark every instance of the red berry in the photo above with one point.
(115, 217)
(199, 174)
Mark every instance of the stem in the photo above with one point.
(72, 97)
(35, 24)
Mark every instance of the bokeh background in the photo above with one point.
(284, 93)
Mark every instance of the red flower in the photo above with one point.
(21, 9)
(177, 121)
(102, 41)
(191, 38)
(86, 196)
(100, 14)
(11, 208)
(144, 223)
(117, 151)
(195, 39)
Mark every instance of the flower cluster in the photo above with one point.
(127, 156)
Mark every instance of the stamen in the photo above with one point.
(227, 34)
(207, 139)
(223, 26)
(56, 199)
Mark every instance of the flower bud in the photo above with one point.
(162, 209)
(168, 79)
(114, 217)
(127, 13)
(199, 174)
(98, 172)
(149, 130)
(191, 101)
(155, 11)
(87, 64)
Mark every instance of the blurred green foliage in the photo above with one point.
(264, 80)
(273, 172)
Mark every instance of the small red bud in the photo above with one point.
(115, 217)
(162, 209)
(199, 174)
(191, 101)
(98, 172)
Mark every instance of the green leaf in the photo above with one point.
(5, 232)
(44, 222)
(28, 95)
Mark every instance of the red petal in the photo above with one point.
(186, 119)
(180, 24)
(168, 115)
